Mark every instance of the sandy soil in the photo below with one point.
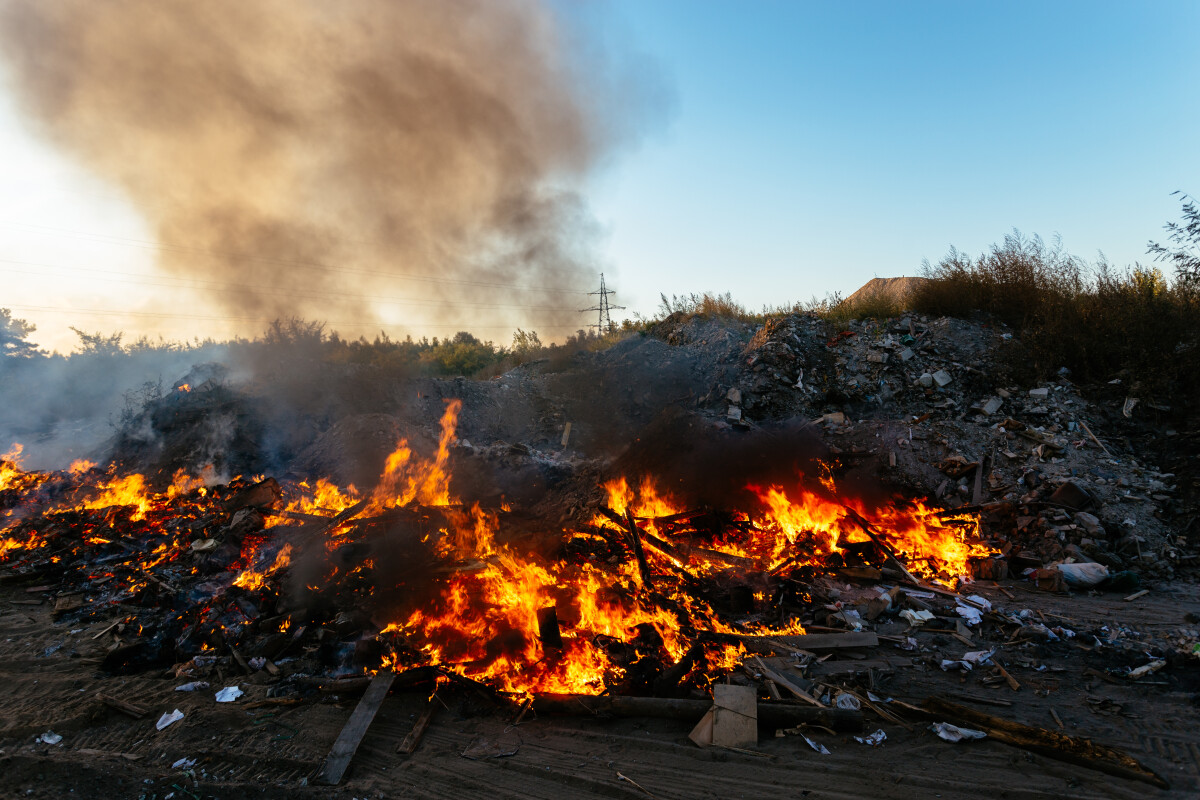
(49, 681)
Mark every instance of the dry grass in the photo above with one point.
(1099, 322)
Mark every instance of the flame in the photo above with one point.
(253, 580)
(407, 477)
(127, 491)
(184, 387)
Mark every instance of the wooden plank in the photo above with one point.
(735, 716)
(1048, 743)
(822, 641)
(786, 683)
(418, 730)
(135, 711)
(355, 729)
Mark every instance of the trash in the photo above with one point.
(820, 748)
(258, 662)
(1073, 495)
(953, 733)
(849, 701)
(732, 721)
(1086, 574)
(49, 737)
(916, 618)
(184, 763)
(874, 740)
(1147, 669)
(168, 719)
(229, 694)
(194, 686)
(1127, 409)
(483, 747)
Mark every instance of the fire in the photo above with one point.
(254, 580)
(492, 610)
(127, 491)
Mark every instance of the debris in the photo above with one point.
(125, 707)
(953, 733)
(874, 740)
(916, 618)
(1146, 669)
(820, 748)
(192, 686)
(1049, 743)
(409, 745)
(184, 763)
(169, 718)
(355, 728)
(1084, 575)
(485, 747)
(732, 721)
(229, 694)
(1136, 595)
(942, 378)
(775, 715)
(634, 783)
(49, 737)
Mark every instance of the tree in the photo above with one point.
(13, 336)
(98, 344)
(1184, 252)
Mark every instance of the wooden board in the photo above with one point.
(735, 716)
(355, 729)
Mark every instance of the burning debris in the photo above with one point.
(640, 589)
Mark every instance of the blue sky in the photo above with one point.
(800, 149)
(814, 146)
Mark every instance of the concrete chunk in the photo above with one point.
(1040, 393)
(942, 378)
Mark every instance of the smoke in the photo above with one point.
(304, 155)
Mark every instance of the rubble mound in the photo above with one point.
(353, 450)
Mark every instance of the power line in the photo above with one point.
(604, 321)
(218, 318)
(149, 245)
(206, 284)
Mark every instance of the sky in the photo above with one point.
(798, 149)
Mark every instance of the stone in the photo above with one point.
(734, 413)
(1040, 393)
(992, 405)
(906, 354)
(734, 396)
(877, 358)
(926, 380)
(942, 378)
(1090, 523)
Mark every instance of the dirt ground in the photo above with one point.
(49, 682)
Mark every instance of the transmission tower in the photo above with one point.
(604, 321)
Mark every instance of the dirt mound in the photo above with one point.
(891, 291)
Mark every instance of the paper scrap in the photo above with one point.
(229, 694)
(169, 719)
(953, 733)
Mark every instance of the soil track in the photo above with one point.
(49, 682)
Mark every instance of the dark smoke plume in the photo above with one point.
(312, 147)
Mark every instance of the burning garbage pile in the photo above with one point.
(312, 579)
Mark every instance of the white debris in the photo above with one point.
(953, 733)
(229, 694)
(169, 719)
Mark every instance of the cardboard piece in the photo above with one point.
(732, 721)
